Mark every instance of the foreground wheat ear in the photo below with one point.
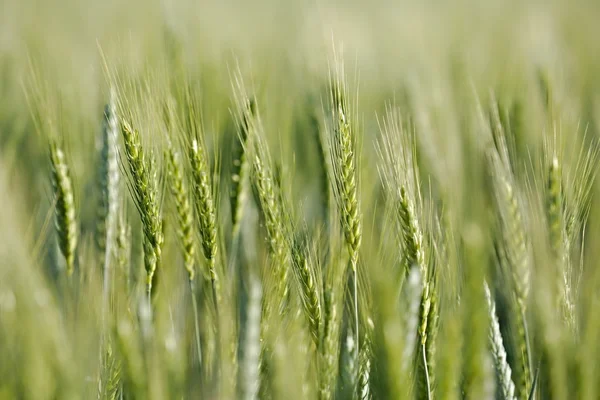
(343, 146)
(144, 189)
(203, 197)
(309, 294)
(66, 224)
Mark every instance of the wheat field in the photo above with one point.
(299, 200)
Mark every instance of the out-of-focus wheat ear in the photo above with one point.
(450, 366)
(325, 193)
(308, 290)
(123, 249)
(111, 378)
(364, 363)
(411, 233)
(554, 209)
(515, 248)
(206, 213)
(277, 235)
(557, 232)
(65, 218)
(524, 370)
(134, 373)
(424, 383)
(185, 229)
(349, 370)
(144, 189)
(251, 342)
(330, 346)
(411, 300)
(503, 371)
(185, 217)
(109, 190)
(520, 273)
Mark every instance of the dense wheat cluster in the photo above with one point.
(283, 200)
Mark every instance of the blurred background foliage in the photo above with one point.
(440, 62)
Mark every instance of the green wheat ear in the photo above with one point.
(66, 224)
(203, 197)
(346, 187)
(308, 290)
(184, 212)
(144, 189)
(342, 146)
(277, 234)
(558, 238)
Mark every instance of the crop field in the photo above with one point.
(299, 199)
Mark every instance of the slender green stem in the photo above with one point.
(424, 353)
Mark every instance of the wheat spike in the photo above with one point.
(66, 225)
(144, 189)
